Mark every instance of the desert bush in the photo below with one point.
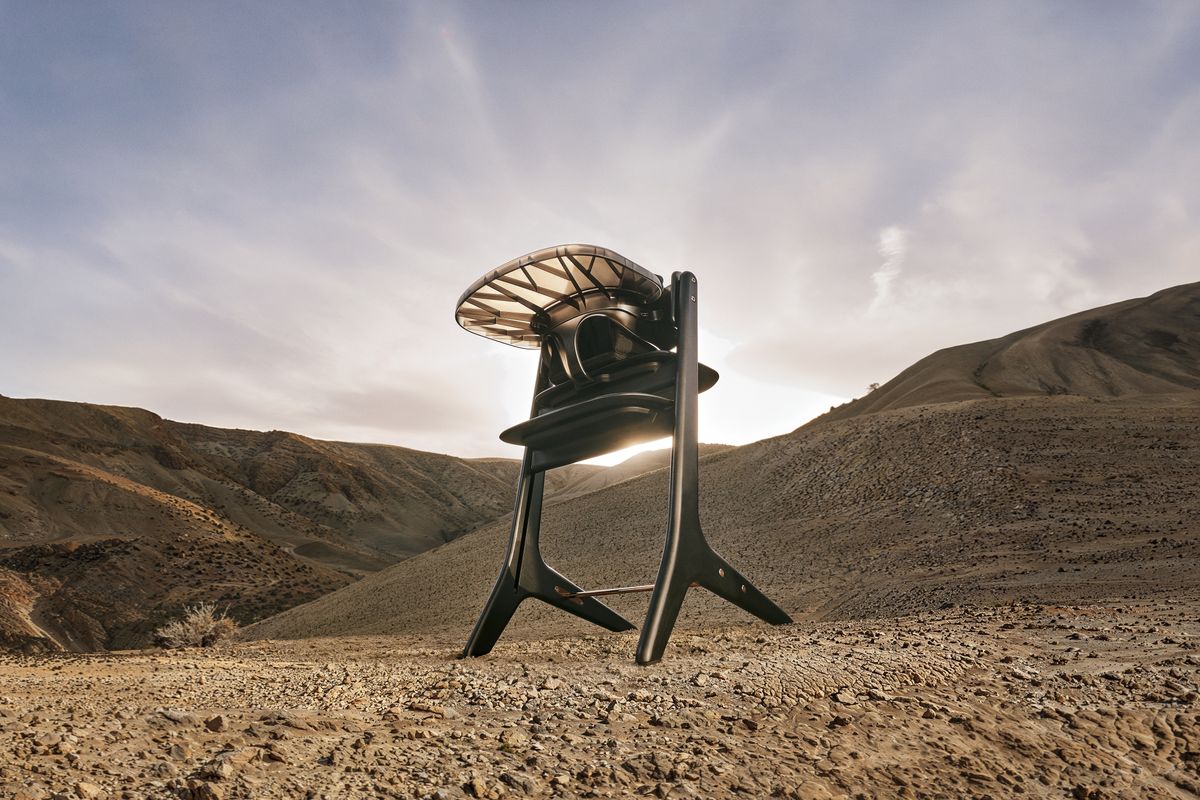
(200, 626)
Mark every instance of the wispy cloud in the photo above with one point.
(892, 247)
(262, 216)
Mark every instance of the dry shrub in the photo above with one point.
(200, 626)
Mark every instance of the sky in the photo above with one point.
(261, 215)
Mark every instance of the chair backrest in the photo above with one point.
(588, 346)
(610, 348)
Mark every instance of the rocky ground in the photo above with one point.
(1037, 701)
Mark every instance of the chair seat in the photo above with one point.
(649, 373)
(593, 427)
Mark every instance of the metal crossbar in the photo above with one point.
(602, 592)
(649, 587)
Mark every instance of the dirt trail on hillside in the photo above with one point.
(1085, 702)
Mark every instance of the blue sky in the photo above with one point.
(261, 215)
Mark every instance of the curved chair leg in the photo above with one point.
(505, 598)
(725, 581)
(688, 559)
(507, 594)
(550, 583)
(669, 591)
(687, 556)
(501, 605)
(526, 574)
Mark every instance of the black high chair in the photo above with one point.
(618, 367)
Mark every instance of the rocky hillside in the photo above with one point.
(352, 506)
(979, 502)
(113, 518)
(1137, 347)
(632, 467)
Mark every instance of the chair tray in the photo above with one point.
(593, 427)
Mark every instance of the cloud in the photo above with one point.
(262, 218)
(892, 246)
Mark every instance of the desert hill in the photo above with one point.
(352, 506)
(632, 467)
(1146, 346)
(976, 502)
(1085, 488)
(112, 518)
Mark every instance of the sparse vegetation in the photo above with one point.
(200, 626)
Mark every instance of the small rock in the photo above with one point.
(181, 717)
(217, 770)
(513, 738)
(216, 724)
(427, 708)
(203, 790)
(810, 790)
(273, 751)
(88, 791)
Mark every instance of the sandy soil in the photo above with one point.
(1035, 701)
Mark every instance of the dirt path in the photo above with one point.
(1084, 702)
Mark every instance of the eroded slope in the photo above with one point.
(1147, 346)
(1047, 499)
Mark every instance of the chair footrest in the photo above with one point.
(649, 587)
